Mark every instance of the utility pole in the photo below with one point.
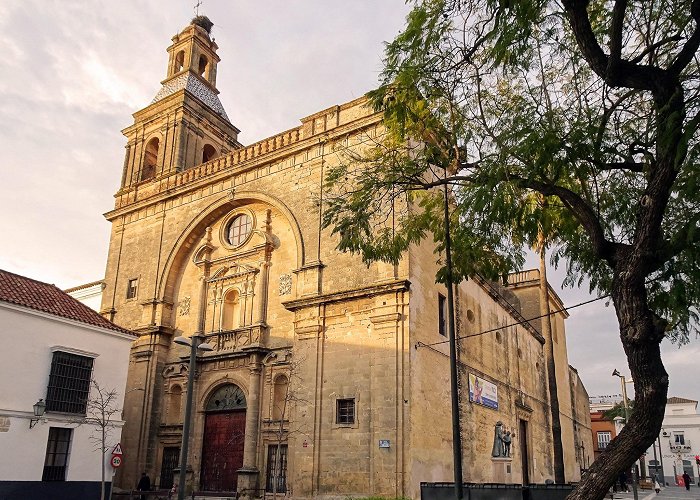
(627, 419)
(456, 436)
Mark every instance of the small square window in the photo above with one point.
(442, 315)
(345, 413)
(132, 288)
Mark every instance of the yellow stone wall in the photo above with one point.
(344, 330)
(511, 357)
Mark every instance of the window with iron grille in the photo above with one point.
(442, 315)
(171, 456)
(603, 440)
(69, 383)
(276, 474)
(345, 413)
(132, 288)
(57, 451)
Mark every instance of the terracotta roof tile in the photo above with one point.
(84, 285)
(26, 292)
(676, 400)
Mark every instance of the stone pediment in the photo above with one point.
(236, 270)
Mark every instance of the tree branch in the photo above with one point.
(581, 26)
(673, 38)
(632, 166)
(691, 46)
(622, 73)
(618, 21)
(583, 212)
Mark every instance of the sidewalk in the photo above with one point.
(670, 492)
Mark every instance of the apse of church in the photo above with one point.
(316, 384)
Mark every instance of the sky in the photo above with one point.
(73, 72)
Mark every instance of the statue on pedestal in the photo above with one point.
(498, 440)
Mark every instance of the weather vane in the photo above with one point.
(196, 7)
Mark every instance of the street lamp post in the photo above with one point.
(195, 343)
(454, 387)
(623, 382)
(661, 461)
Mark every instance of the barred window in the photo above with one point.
(603, 439)
(69, 383)
(57, 451)
(345, 413)
(276, 474)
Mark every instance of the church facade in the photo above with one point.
(327, 378)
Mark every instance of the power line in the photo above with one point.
(501, 382)
(491, 330)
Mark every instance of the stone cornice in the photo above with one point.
(381, 288)
(493, 293)
(239, 161)
(531, 278)
(171, 103)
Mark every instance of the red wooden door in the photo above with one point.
(222, 451)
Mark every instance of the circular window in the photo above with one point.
(238, 229)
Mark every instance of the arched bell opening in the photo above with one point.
(150, 159)
(203, 64)
(208, 153)
(179, 61)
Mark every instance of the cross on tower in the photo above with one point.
(196, 7)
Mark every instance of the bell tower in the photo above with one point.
(185, 125)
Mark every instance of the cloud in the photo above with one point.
(74, 72)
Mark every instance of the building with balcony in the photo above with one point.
(678, 443)
(56, 353)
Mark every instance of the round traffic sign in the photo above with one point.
(116, 461)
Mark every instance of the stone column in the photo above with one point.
(261, 293)
(248, 474)
(181, 154)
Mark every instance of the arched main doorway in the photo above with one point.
(224, 433)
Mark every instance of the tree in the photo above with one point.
(100, 410)
(577, 115)
(618, 410)
(285, 398)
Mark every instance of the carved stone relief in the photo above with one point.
(184, 306)
(285, 284)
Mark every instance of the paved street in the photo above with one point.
(672, 492)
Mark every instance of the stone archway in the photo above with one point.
(223, 440)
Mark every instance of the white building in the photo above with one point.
(679, 441)
(89, 294)
(54, 348)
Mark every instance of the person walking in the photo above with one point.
(144, 484)
(686, 481)
(623, 481)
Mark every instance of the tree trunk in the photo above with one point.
(641, 335)
(102, 462)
